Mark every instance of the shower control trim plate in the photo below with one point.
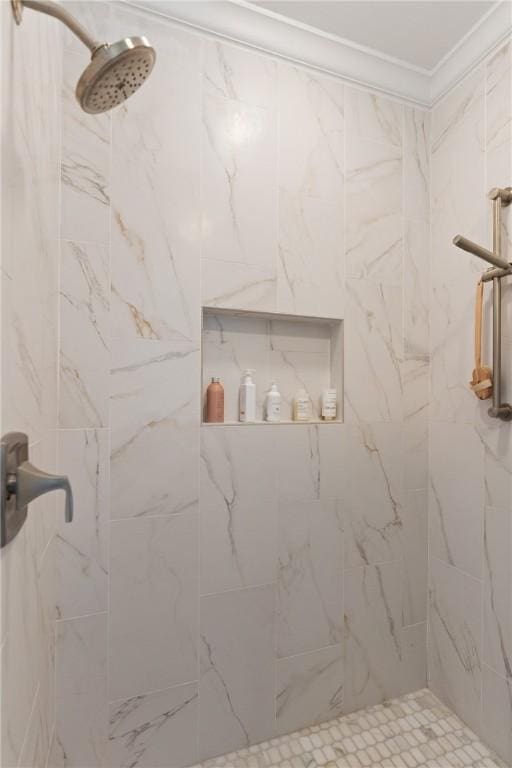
(21, 483)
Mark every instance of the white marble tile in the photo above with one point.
(309, 459)
(310, 270)
(457, 496)
(238, 502)
(416, 286)
(21, 633)
(373, 350)
(236, 690)
(35, 746)
(84, 315)
(309, 576)
(85, 168)
(374, 499)
(375, 655)
(414, 538)
(416, 390)
(459, 105)
(155, 730)
(416, 149)
(497, 613)
(497, 713)
(155, 201)
(153, 603)
(374, 231)
(239, 74)
(309, 688)
(82, 547)
(239, 183)
(82, 714)
(454, 644)
(155, 428)
(498, 102)
(310, 159)
(374, 117)
(238, 286)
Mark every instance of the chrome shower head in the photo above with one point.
(115, 72)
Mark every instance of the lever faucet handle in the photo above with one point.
(32, 482)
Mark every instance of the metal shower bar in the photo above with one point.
(500, 197)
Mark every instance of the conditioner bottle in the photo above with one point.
(247, 400)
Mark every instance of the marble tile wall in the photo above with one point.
(470, 582)
(30, 129)
(224, 585)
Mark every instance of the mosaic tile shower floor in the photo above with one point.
(414, 730)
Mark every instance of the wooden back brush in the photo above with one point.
(481, 383)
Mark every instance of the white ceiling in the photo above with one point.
(417, 32)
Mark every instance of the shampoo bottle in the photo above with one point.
(247, 400)
(273, 404)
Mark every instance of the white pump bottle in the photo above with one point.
(247, 402)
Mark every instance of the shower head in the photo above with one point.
(115, 72)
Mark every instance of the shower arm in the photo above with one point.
(58, 12)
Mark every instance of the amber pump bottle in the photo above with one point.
(215, 402)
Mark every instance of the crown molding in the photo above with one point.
(247, 24)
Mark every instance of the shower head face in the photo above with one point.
(116, 71)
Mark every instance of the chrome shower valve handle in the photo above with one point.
(22, 482)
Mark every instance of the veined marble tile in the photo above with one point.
(497, 650)
(310, 461)
(374, 500)
(309, 576)
(375, 658)
(416, 275)
(374, 232)
(236, 690)
(239, 183)
(36, 744)
(416, 386)
(457, 496)
(233, 285)
(414, 537)
(238, 502)
(239, 74)
(497, 713)
(310, 270)
(155, 730)
(416, 149)
(374, 117)
(84, 315)
(459, 105)
(290, 336)
(82, 715)
(153, 603)
(82, 567)
(309, 688)
(155, 428)
(155, 202)
(452, 355)
(498, 103)
(21, 634)
(85, 196)
(454, 646)
(297, 370)
(310, 159)
(497, 444)
(373, 350)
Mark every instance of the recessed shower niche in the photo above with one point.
(293, 350)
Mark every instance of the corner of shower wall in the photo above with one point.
(470, 528)
(30, 131)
